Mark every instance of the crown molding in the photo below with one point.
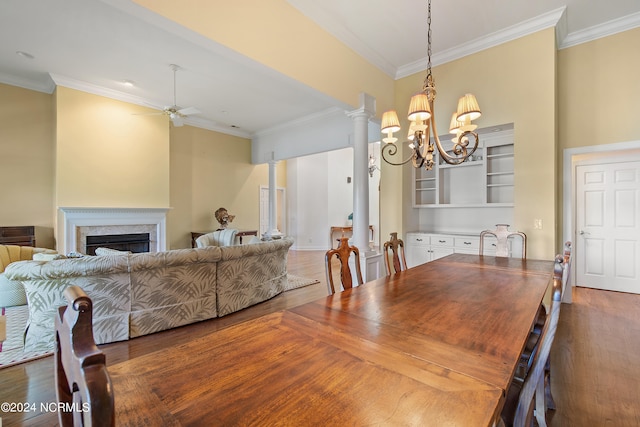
(547, 20)
(342, 33)
(59, 80)
(91, 88)
(45, 85)
(213, 126)
(609, 28)
(302, 121)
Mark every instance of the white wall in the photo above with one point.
(319, 196)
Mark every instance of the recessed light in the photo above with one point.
(25, 54)
(128, 83)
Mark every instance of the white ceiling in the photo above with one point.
(95, 45)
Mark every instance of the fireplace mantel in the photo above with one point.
(74, 223)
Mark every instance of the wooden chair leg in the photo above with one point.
(540, 399)
(549, 402)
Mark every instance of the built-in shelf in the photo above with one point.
(485, 180)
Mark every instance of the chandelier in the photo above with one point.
(422, 118)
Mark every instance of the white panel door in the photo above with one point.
(608, 226)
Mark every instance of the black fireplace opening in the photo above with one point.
(134, 242)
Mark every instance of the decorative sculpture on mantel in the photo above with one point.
(223, 217)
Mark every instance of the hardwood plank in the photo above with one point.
(595, 361)
(277, 369)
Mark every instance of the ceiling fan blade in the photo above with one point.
(188, 111)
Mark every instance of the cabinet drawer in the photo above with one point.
(470, 243)
(441, 240)
(417, 239)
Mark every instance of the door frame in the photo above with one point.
(572, 158)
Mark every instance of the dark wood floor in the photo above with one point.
(595, 359)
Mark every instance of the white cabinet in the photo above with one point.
(424, 247)
(486, 179)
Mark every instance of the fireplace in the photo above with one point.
(132, 242)
(76, 224)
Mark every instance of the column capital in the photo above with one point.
(367, 107)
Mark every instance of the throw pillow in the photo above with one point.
(11, 292)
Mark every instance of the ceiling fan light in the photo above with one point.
(419, 107)
(468, 108)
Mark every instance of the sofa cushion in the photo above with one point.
(173, 288)
(109, 251)
(11, 292)
(44, 256)
(104, 279)
(249, 274)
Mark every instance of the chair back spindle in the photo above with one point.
(394, 248)
(502, 235)
(343, 252)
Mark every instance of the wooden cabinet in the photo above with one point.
(21, 235)
(484, 180)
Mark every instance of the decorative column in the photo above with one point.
(361, 118)
(273, 199)
(369, 259)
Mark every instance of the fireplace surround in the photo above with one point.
(76, 223)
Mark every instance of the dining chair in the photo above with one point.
(343, 252)
(82, 380)
(526, 359)
(394, 248)
(523, 398)
(502, 235)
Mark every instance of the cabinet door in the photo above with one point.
(438, 252)
(417, 254)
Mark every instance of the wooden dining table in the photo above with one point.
(436, 344)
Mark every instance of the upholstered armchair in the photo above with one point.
(11, 292)
(224, 237)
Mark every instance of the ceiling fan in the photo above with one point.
(175, 113)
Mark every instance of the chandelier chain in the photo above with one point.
(428, 44)
(423, 124)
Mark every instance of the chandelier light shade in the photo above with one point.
(419, 109)
(389, 125)
(468, 108)
(421, 115)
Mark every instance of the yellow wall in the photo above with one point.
(26, 161)
(107, 156)
(275, 34)
(210, 170)
(598, 93)
(514, 83)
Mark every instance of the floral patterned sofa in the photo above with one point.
(142, 293)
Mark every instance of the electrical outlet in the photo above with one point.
(537, 224)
